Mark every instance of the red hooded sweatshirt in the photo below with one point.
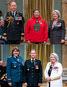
(36, 30)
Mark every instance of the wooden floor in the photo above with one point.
(43, 86)
(46, 86)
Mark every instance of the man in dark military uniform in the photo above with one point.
(4, 82)
(14, 24)
(2, 32)
(33, 71)
(1, 16)
(1, 71)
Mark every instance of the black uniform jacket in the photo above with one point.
(33, 72)
(57, 33)
(14, 26)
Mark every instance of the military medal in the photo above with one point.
(18, 18)
(55, 67)
(36, 66)
(58, 24)
(40, 21)
(36, 62)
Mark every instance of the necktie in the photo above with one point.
(13, 14)
(32, 60)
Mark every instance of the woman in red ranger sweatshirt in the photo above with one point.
(36, 29)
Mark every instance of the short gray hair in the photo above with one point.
(55, 55)
(33, 50)
(58, 12)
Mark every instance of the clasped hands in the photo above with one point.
(48, 79)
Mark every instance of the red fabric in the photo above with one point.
(36, 36)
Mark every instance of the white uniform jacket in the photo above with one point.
(56, 75)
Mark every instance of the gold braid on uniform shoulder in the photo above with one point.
(9, 20)
(3, 76)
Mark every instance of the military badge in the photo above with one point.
(36, 27)
(36, 62)
(36, 66)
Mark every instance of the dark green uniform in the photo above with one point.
(15, 27)
(33, 72)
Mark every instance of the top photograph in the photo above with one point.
(33, 22)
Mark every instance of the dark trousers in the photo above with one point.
(13, 42)
(16, 84)
(5, 85)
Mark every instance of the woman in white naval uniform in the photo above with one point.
(53, 72)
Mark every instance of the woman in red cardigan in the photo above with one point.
(36, 29)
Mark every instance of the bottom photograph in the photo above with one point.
(34, 65)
